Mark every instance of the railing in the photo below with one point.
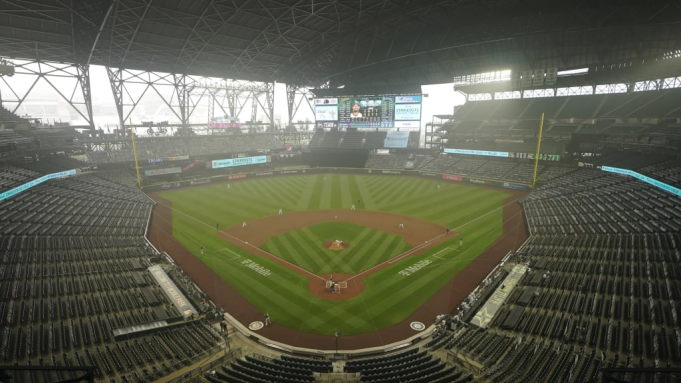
(202, 369)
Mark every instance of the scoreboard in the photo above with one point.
(369, 112)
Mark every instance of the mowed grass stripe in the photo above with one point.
(420, 199)
(272, 192)
(395, 188)
(306, 192)
(356, 248)
(315, 200)
(438, 203)
(388, 247)
(463, 203)
(313, 248)
(336, 191)
(367, 199)
(305, 250)
(412, 189)
(287, 189)
(381, 190)
(325, 199)
(281, 247)
(388, 297)
(346, 195)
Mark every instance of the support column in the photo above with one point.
(254, 107)
(269, 94)
(290, 100)
(180, 82)
(116, 82)
(211, 109)
(83, 71)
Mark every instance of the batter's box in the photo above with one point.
(337, 287)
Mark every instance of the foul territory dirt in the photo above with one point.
(415, 233)
(420, 234)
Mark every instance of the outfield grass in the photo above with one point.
(304, 247)
(389, 296)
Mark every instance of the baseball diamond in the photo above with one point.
(317, 210)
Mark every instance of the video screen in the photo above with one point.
(369, 112)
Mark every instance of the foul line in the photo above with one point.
(443, 250)
(428, 243)
(390, 261)
(246, 243)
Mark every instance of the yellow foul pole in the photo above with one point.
(134, 151)
(536, 156)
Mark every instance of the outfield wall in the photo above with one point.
(271, 173)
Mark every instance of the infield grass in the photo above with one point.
(390, 295)
(304, 247)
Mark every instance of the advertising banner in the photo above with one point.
(178, 158)
(37, 181)
(407, 112)
(477, 181)
(450, 177)
(395, 139)
(236, 176)
(508, 185)
(658, 184)
(200, 182)
(158, 172)
(477, 152)
(326, 113)
(231, 162)
(408, 124)
(407, 99)
(326, 101)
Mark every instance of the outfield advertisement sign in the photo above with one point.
(159, 172)
(509, 185)
(231, 162)
(200, 182)
(450, 177)
(446, 177)
(395, 139)
(477, 152)
(37, 181)
(651, 181)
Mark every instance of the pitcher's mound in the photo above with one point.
(336, 245)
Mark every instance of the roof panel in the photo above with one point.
(346, 41)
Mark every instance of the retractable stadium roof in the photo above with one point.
(343, 42)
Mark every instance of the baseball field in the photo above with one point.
(405, 239)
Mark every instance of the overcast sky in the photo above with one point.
(44, 102)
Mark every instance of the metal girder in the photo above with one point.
(87, 22)
(84, 81)
(267, 104)
(116, 82)
(299, 93)
(180, 83)
(126, 20)
(76, 94)
(214, 16)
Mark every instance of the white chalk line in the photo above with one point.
(246, 243)
(390, 261)
(427, 243)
